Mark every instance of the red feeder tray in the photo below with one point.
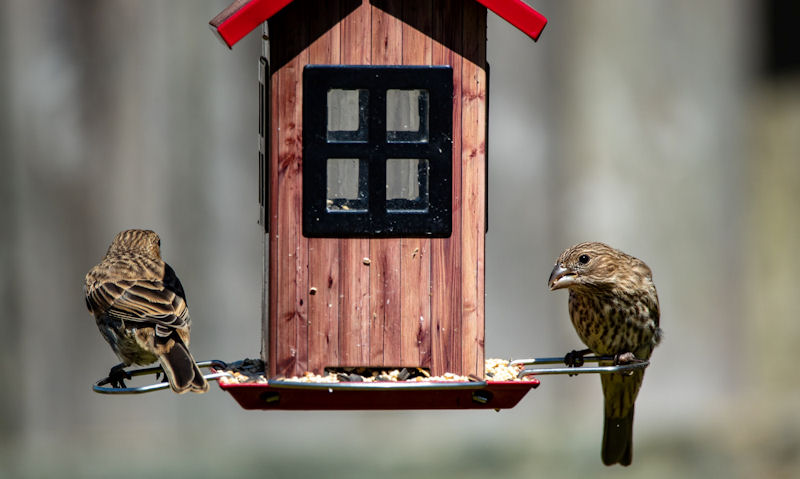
(297, 396)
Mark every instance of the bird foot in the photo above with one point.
(625, 358)
(574, 358)
(117, 376)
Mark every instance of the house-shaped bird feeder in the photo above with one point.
(373, 128)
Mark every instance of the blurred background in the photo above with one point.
(670, 130)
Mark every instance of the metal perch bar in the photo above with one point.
(158, 386)
(639, 364)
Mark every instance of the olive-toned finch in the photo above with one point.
(614, 307)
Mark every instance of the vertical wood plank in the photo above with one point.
(387, 33)
(385, 296)
(415, 309)
(483, 112)
(356, 39)
(385, 288)
(283, 320)
(272, 348)
(446, 252)
(353, 273)
(417, 42)
(290, 255)
(416, 262)
(473, 186)
(323, 304)
(292, 247)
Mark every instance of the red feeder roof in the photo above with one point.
(244, 16)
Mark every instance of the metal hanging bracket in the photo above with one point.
(99, 388)
(621, 368)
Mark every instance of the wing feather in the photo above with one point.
(147, 302)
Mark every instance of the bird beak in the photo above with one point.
(561, 277)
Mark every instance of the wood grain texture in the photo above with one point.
(473, 187)
(416, 260)
(415, 317)
(417, 42)
(385, 288)
(323, 253)
(387, 33)
(446, 252)
(417, 301)
(292, 247)
(354, 275)
(385, 301)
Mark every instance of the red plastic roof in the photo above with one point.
(519, 14)
(244, 16)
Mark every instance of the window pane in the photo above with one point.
(347, 184)
(377, 151)
(347, 113)
(407, 116)
(406, 184)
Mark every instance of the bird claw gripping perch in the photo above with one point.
(625, 358)
(574, 359)
(116, 377)
(118, 374)
(630, 366)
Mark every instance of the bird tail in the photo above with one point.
(619, 391)
(618, 440)
(181, 370)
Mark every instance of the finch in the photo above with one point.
(140, 308)
(614, 307)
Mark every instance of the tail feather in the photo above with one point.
(181, 370)
(618, 440)
(619, 391)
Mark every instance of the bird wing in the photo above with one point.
(172, 283)
(140, 301)
(651, 301)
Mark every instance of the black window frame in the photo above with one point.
(378, 220)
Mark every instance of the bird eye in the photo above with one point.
(583, 259)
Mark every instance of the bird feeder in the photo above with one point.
(373, 171)
(373, 128)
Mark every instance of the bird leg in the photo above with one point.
(117, 375)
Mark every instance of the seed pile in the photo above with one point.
(252, 371)
(501, 370)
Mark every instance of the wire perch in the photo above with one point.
(99, 388)
(638, 364)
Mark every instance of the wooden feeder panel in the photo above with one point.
(410, 301)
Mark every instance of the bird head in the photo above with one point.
(594, 265)
(143, 242)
